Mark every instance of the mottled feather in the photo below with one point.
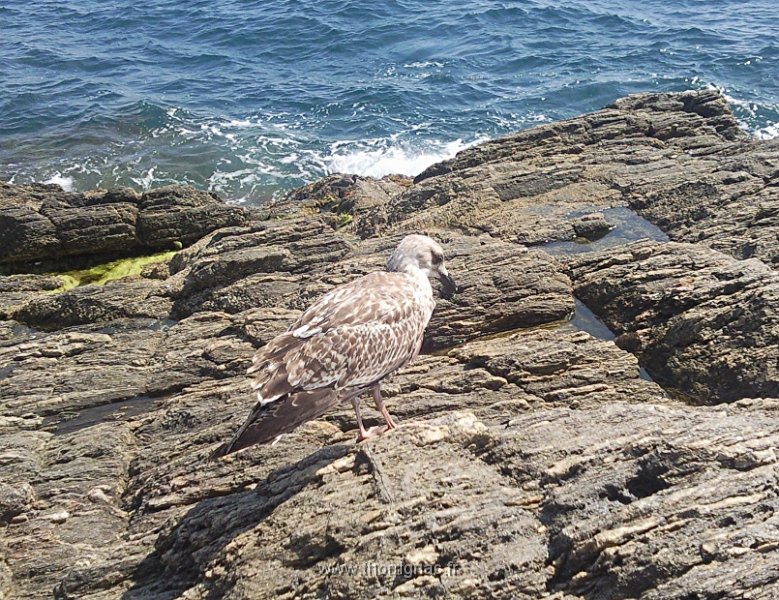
(351, 337)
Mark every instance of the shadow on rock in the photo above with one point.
(184, 552)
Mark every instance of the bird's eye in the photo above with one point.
(437, 258)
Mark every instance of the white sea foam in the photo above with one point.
(424, 64)
(752, 112)
(239, 123)
(146, 180)
(365, 158)
(768, 132)
(277, 162)
(64, 181)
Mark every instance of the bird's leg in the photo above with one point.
(356, 405)
(365, 434)
(382, 409)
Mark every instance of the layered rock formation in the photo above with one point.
(538, 456)
(40, 222)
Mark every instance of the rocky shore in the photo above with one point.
(595, 414)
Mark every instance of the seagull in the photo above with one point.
(344, 345)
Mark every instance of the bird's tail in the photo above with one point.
(267, 421)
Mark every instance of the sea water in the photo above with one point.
(252, 98)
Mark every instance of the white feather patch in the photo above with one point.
(264, 401)
(306, 332)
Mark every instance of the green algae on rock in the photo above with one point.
(110, 271)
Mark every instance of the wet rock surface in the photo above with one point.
(680, 160)
(700, 320)
(535, 457)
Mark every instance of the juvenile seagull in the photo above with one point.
(344, 345)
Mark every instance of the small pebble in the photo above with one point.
(98, 496)
(58, 517)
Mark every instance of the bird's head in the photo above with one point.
(425, 254)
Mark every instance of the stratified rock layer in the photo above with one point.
(42, 222)
(680, 160)
(698, 319)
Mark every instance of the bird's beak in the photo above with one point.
(449, 287)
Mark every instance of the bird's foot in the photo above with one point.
(371, 432)
(391, 424)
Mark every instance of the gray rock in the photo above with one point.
(533, 460)
(180, 214)
(700, 321)
(592, 226)
(63, 373)
(15, 500)
(680, 160)
(17, 290)
(41, 222)
(95, 304)
(339, 198)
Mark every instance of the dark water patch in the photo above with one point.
(628, 226)
(497, 335)
(586, 320)
(70, 422)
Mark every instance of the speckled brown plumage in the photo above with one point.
(344, 344)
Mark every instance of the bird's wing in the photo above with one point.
(351, 337)
(267, 421)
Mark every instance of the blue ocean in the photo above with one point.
(250, 98)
